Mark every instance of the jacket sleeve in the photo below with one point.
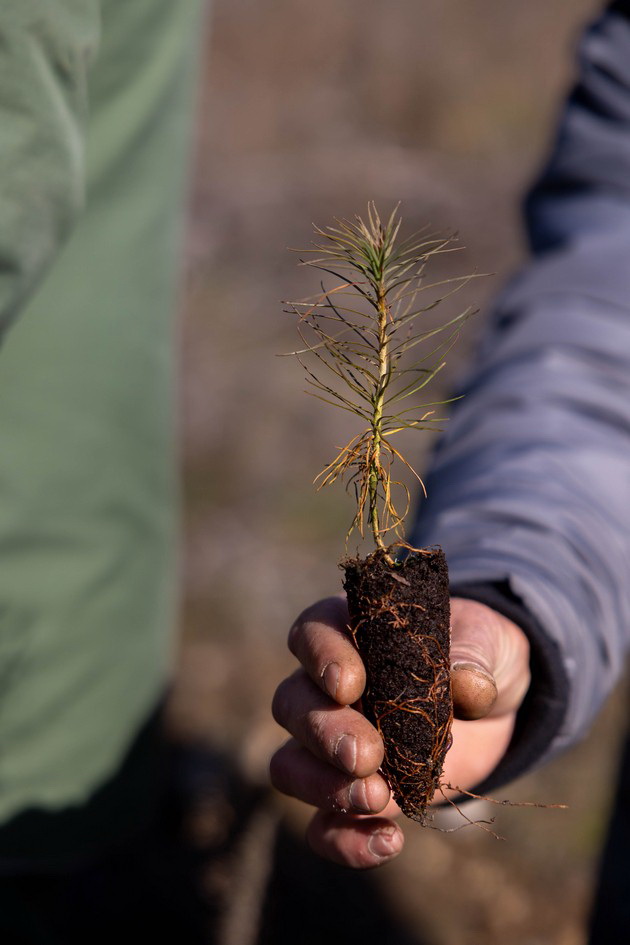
(45, 50)
(529, 492)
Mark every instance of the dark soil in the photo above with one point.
(400, 618)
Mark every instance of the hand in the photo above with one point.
(333, 758)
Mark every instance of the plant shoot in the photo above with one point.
(366, 350)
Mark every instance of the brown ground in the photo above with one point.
(309, 111)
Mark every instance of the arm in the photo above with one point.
(45, 50)
(530, 489)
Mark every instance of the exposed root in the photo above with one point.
(504, 803)
(484, 825)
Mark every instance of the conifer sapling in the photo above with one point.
(366, 348)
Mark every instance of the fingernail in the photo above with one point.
(384, 843)
(472, 668)
(346, 753)
(331, 679)
(358, 796)
(474, 690)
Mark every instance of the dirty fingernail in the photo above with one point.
(358, 796)
(474, 691)
(331, 679)
(384, 843)
(472, 668)
(346, 753)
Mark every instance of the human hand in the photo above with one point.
(332, 760)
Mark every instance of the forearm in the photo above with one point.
(531, 483)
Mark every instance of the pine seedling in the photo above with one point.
(367, 349)
(371, 355)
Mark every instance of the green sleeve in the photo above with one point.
(46, 48)
(88, 492)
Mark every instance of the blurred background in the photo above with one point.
(306, 112)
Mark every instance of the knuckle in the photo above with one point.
(317, 726)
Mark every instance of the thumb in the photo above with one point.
(489, 661)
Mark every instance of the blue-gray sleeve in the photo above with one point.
(530, 487)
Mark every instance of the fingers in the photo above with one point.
(337, 735)
(295, 771)
(489, 657)
(333, 758)
(489, 661)
(320, 640)
(358, 842)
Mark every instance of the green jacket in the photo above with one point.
(95, 102)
